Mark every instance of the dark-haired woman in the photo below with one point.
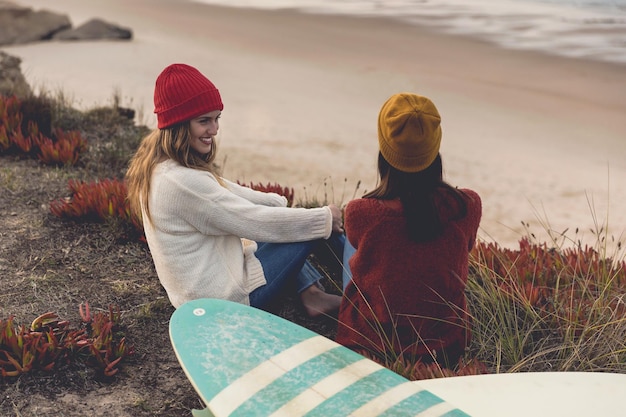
(411, 238)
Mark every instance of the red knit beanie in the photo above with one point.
(182, 93)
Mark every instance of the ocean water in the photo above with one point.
(592, 29)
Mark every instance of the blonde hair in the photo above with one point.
(158, 146)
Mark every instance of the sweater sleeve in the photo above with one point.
(474, 214)
(255, 196)
(195, 198)
(353, 219)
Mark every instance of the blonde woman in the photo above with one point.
(210, 237)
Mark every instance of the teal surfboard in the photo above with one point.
(246, 362)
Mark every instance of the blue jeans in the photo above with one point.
(284, 264)
(348, 251)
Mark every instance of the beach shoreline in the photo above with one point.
(535, 135)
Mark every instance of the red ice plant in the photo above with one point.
(287, 192)
(40, 346)
(64, 148)
(49, 341)
(105, 350)
(98, 201)
(561, 285)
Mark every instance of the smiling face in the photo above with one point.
(203, 130)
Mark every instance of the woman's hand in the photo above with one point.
(337, 218)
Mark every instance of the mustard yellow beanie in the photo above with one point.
(409, 132)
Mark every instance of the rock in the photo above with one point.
(12, 82)
(94, 29)
(22, 24)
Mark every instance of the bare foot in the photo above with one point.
(316, 302)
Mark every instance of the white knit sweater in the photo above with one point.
(202, 238)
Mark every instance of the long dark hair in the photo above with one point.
(417, 192)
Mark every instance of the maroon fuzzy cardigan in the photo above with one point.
(404, 296)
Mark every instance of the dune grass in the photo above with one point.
(549, 307)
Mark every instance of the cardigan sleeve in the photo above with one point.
(255, 196)
(194, 197)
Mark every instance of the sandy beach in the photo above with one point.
(535, 135)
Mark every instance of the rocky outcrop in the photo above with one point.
(20, 25)
(94, 29)
(12, 82)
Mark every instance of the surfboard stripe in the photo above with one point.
(456, 412)
(391, 397)
(296, 381)
(362, 391)
(299, 388)
(234, 395)
(326, 388)
(424, 404)
(438, 410)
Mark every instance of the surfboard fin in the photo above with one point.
(202, 413)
